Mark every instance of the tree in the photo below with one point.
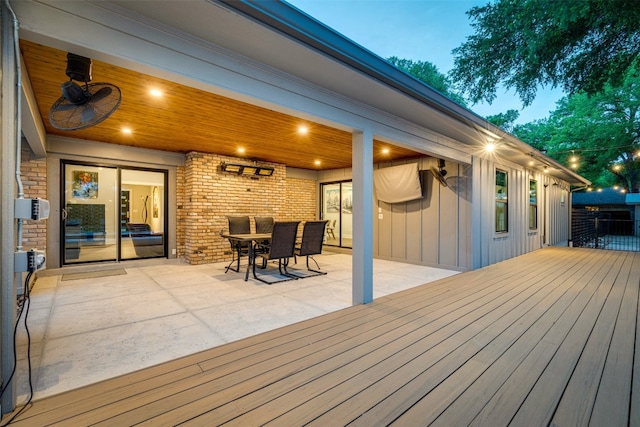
(504, 120)
(524, 44)
(603, 130)
(428, 73)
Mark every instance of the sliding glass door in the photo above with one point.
(142, 214)
(90, 204)
(337, 208)
(112, 213)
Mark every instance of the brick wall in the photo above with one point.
(211, 195)
(205, 196)
(301, 195)
(34, 181)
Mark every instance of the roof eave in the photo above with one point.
(298, 25)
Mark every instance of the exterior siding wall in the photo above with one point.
(434, 230)
(214, 195)
(33, 174)
(553, 215)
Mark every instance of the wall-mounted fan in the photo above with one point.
(440, 173)
(86, 105)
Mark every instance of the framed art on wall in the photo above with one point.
(85, 185)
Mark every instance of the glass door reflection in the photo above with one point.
(142, 214)
(90, 202)
(337, 208)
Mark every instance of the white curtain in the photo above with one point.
(397, 184)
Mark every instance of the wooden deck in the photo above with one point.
(546, 338)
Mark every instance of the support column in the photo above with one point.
(7, 221)
(362, 268)
(476, 214)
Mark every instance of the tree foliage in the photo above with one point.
(428, 73)
(504, 120)
(602, 130)
(524, 44)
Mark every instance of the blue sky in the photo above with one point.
(422, 30)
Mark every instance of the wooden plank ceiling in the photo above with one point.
(185, 119)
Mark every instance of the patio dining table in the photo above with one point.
(247, 238)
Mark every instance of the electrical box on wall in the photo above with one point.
(35, 209)
(31, 261)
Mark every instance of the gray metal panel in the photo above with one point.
(449, 221)
(430, 218)
(398, 231)
(465, 255)
(384, 230)
(413, 228)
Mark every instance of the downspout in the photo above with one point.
(16, 44)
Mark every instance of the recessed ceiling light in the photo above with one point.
(240, 150)
(303, 130)
(385, 151)
(127, 131)
(490, 147)
(155, 92)
(317, 162)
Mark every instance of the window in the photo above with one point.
(533, 204)
(502, 205)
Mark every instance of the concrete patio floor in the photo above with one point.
(90, 329)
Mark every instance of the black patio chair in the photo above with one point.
(280, 248)
(238, 225)
(264, 224)
(311, 244)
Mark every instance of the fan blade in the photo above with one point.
(102, 93)
(88, 113)
(66, 107)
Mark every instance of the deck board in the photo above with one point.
(548, 337)
(504, 402)
(552, 383)
(614, 391)
(577, 401)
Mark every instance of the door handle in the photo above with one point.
(64, 214)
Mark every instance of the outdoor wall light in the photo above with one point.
(246, 169)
